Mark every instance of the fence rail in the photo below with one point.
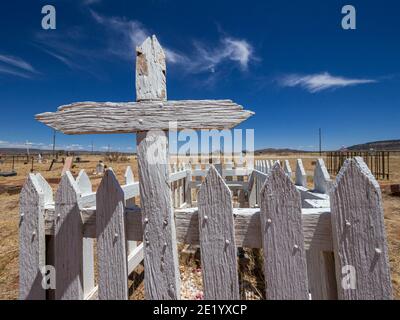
(311, 239)
(377, 161)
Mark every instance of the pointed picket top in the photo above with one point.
(83, 182)
(322, 180)
(110, 178)
(271, 163)
(32, 185)
(32, 252)
(67, 182)
(217, 239)
(213, 176)
(301, 176)
(267, 166)
(262, 165)
(359, 237)
(129, 177)
(282, 236)
(288, 169)
(46, 188)
(110, 169)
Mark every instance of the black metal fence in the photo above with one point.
(377, 161)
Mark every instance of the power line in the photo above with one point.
(320, 142)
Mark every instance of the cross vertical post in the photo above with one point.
(162, 280)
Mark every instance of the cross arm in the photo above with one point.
(126, 117)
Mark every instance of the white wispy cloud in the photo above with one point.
(123, 34)
(70, 49)
(320, 81)
(16, 66)
(209, 57)
(120, 36)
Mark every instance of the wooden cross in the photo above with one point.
(150, 118)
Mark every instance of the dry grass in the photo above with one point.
(9, 220)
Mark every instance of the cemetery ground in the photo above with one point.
(251, 284)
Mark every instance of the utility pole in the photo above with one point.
(320, 142)
(54, 142)
(27, 148)
(92, 148)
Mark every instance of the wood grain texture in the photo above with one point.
(316, 226)
(162, 280)
(321, 275)
(151, 69)
(358, 230)
(217, 239)
(83, 117)
(285, 267)
(68, 241)
(111, 240)
(32, 252)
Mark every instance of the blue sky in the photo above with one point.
(289, 61)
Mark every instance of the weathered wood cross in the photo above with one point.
(150, 118)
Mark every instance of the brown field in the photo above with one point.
(9, 211)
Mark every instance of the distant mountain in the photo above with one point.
(22, 151)
(386, 145)
(276, 150)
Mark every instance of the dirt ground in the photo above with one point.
(9, 206)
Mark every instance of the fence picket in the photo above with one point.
(48, 200)
(111, 240)
(188, 189)
(358, 231)
(85, 187)
(288, 169)
(301, 176)
(322, 180)
(217, 239)
(68, 240)
(283, 242)
(130, 179)
(32, 253)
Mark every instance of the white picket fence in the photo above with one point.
(329, 246)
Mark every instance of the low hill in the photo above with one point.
(277, 151)
(386, 145)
